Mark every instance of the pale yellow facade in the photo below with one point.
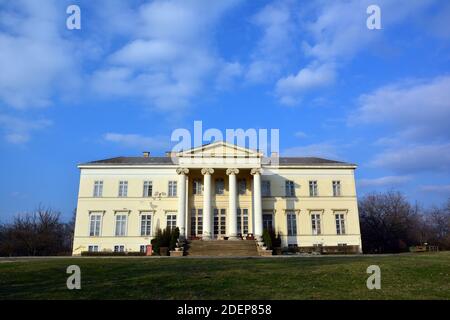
(97, 222)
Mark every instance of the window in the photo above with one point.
(121, 225)
(315, 223)
(146, 225)
(340, 223)
(172, 189)
(219, 222)
(98, 188)
(242, 221)
(220, 186)
(291, 224)
(267, 220)
(123, 188)
(93, 248)
(265, 188)
(290, 188)
(148, 189)
(336, 188)
(119, 248)
(143, 248)
(196, 222)
(242, 186)
(171, 221)
(313, 188)
(197, 186)
(95, 222)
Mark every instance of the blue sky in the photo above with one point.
(137, 70)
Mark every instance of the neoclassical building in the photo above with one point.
(217, 191)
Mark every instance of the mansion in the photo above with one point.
(215, 192)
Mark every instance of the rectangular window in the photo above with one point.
(313, 189)
(148, 188)
(98, 188)
(220, 186)
(197, 187)
(171, 221)
(95, 223)
(93, 248)
(119, 248)
(315, 223)
(340, 223)
(123, 188)
(200, 221)
(336, 188)
(223, 227)
(265, 188)
(216, 222)
(143, 248)
(172, 189)
(121, 225)
(193, 223)
(242, 221)
(242, 186)
(146, 225)
(290, 188)
(268, 221)
(291, 224)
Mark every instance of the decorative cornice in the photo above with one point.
(207, 171)
(255, 171)
(232, 171)
(182, 170)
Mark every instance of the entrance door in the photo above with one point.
(196, 222)
(220, 228)
(268, 221)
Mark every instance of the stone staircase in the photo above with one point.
(238, 248)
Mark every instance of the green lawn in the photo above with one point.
(407, 276)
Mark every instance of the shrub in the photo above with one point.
(165, 238)
(267, 239)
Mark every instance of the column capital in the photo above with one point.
(232, 171)
(182, 170)
(255, 171)
(207, 171)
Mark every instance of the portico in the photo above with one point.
(214, 207)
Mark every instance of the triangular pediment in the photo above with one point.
(220, 149)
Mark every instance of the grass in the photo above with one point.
(406, 276)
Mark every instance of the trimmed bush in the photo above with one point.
(267, 239)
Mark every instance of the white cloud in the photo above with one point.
(300, 134)
(410, 158)
(137, 141)
(36, 62)
(227, 75)
(18, 131)
(168, 57)
(323, 149)
(436, 188)
(336, 31)
(384, 181)
(419, 108)
(276, 42)
(290, 88)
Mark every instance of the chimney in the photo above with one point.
(146, 154)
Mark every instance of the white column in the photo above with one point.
(207, 213)
(181, 217)
(232, 204)
(258, 228)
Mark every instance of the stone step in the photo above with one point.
(222, 248)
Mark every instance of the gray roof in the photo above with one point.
(284, 161)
